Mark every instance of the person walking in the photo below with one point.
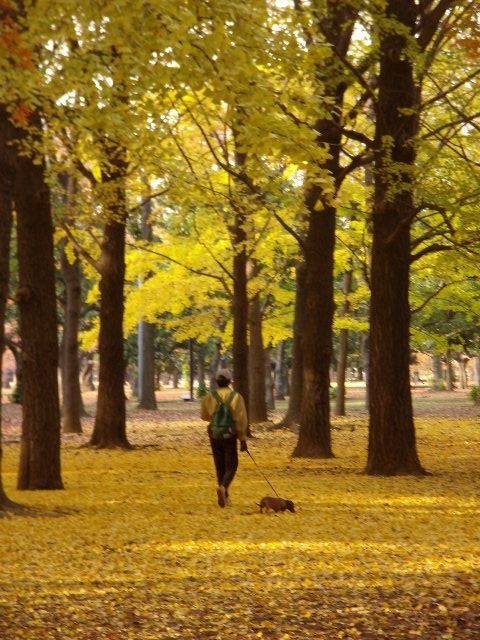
(223, 437)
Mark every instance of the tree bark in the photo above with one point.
(109, 429)
(256, 364)
(314, 439)
(392, 446)
(343, 350)
(292, 416)
(146, 369)
(240, 294)
(281, 372)
(438, 380)
(146, 339)
(40, 448)
(269, 381)
(72, 395)
(240, 314)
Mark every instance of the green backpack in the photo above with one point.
(223, 424)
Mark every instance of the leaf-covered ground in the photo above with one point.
(136, 546)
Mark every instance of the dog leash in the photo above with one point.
(264, 476)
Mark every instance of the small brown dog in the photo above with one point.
(276, 504)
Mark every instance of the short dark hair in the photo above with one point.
(222, 381)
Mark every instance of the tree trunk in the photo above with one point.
(40, 448)
(281, 372)
(343, 349)
(240, 294)
(391, 446)
(256, 364)
(269, 382)
(109, 430)
(17, 355)
(146, 366)
(215, 364)
(438, 380)
(314, 439)
(476, 371)
(72, 396)
(314, 436)
(449, 376)
(296, 379)
(201, 366)
(240, 315)
(146, 337)
(87, 372)
(462, 370)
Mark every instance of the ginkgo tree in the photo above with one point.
(25, 187)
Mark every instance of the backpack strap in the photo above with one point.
(228, 399)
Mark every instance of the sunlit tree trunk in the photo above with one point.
(110, 421)
(392, 446)
(314, 439)
(476, 371)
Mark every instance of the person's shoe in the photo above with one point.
(221, 496)
(228, 502)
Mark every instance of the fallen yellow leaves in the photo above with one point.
(136, 546)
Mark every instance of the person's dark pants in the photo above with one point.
(225, 457)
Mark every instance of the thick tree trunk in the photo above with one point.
(314, 439)
(256, 364)
(343, 350)
(110, 421)
(109, 430)
(292, 416)
(72, 396)
(314, 436)
(391, 446)
(40, 448)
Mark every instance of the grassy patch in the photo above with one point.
(136, 546)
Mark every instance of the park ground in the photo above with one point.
(136, 546)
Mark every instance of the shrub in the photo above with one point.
(474, 395)
(201, 390)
